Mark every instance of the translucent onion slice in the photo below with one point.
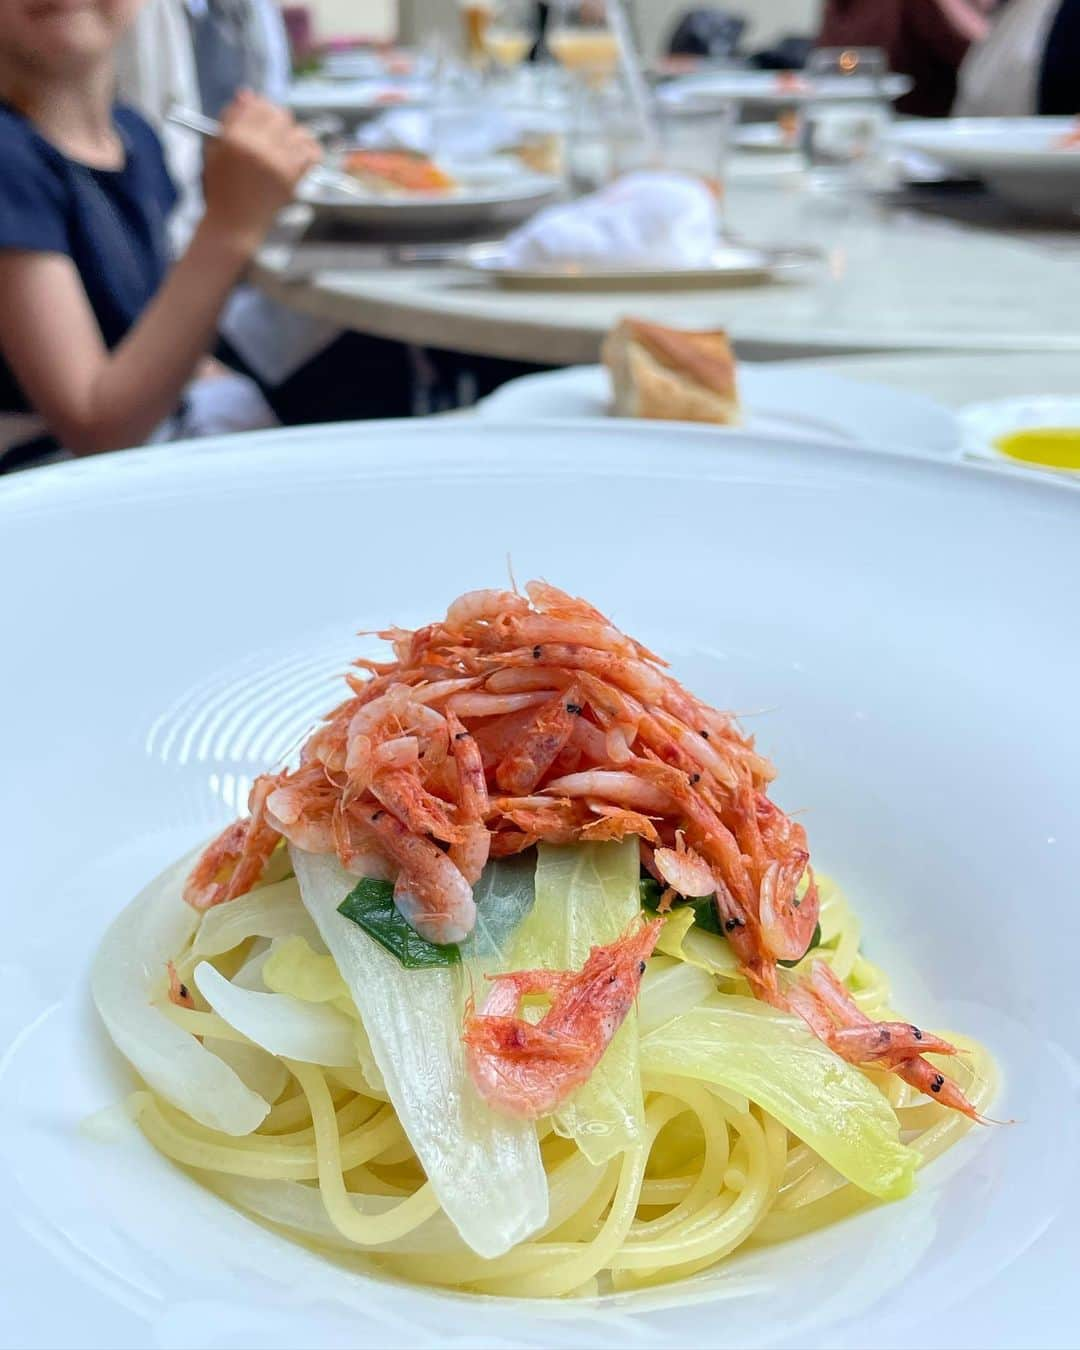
(128, 971)
(270, 912)
(485, 1170)
(668, 989)
(284, 1026)
(771, 1058)
(263, 1073)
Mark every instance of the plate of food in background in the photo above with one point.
(1031, 162)
(420, 191)
(651, 372)
(779, 89)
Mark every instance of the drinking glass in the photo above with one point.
(510, 33)
(582, 41)
(842, 126)
(695, 138)
(475, 19)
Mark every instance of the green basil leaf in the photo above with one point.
(370, 905)
(705, 916)
(651, 891)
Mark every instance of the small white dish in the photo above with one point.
(982, 425)
(777, 402)
(1022, 159)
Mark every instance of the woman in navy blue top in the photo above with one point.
(109, 222)
(98, 335)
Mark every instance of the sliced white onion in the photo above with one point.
(128, 969)
(485, 1169)
(270, 912)
(670, 989)
(249, 976)
(310, 1032)
(262, 1072)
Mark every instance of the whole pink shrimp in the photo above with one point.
(519, 719)
(526, 1069)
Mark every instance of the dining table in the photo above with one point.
(937, 268)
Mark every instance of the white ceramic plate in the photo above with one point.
(506, 197)
(981, 425)
(765, 88)
(777, 402)
(314, 95)
(764, 138)
(181, 615)
(1019, 157)
(731, 265)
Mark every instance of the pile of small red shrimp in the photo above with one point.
(521, 719)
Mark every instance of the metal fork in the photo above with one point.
(324, 177)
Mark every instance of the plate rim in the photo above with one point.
(488, 408)
(538, 188)
(950, 141)
(355, 444)
(682, 88)
(484, 259)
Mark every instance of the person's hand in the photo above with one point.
(252, 169)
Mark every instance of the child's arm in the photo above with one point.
(94, 399)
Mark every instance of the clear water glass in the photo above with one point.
(695, 138)
(843, 125)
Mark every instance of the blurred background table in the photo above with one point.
(894, 278)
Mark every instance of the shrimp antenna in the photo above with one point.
(510, 573)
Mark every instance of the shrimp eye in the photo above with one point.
(536, 653)
(574, 709)
(938, 1083)
(916, 1033)
(641, 968)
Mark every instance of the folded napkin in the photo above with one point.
(645, 219)
(455, 132)
(399, 129)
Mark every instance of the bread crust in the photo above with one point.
(673, 375)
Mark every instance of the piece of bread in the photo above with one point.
(397, 171)
(667, 373)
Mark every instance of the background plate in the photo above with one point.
(471, 205)
(765, 89)
(731, 265)
(776, 401)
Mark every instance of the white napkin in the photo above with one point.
(398, 129)
(645, 219)
(453, 131)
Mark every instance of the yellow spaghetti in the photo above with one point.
(326, 1158)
